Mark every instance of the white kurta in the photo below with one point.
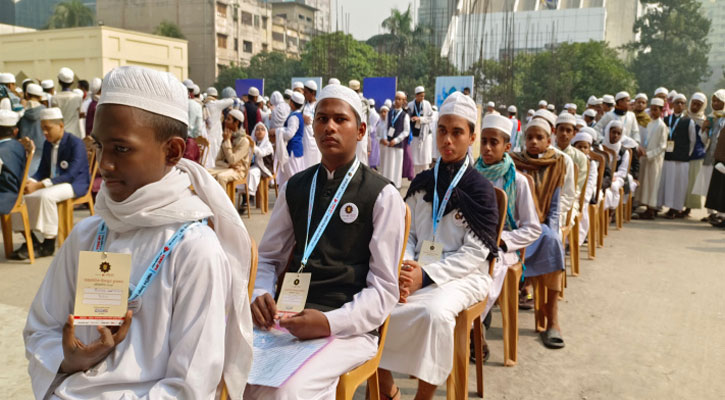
(650, 167)
(215, 108)
(391, 158)
(620, 176)
(630, 129)
(422, 145)
(312, 154)
(675, 176)
(355, 319)
(420, 332)
(287, 164)
(70, 105)
(589, 190)
(580, 160)
(568, 191)
(170, 351)
(528, 229)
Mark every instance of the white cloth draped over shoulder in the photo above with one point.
(174, 349)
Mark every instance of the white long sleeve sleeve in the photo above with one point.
(403, 135)
(527, 220)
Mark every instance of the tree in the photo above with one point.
(276, 69)
(70, 14)
(169, 29)
(672, 49)
(721, 83)
(228, 77)
(340, 56)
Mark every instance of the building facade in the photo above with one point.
(490, 29)
(90, 52)
(293, 25)
(32, 13)
(322, 19)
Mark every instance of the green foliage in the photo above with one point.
(672, 50)
(169, 29)
(721, 82)
(228, 77)
(70, 14)
(340, 56)
(276, 69)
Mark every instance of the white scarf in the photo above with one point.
(170, 200)
(262, 144)
(607, 141)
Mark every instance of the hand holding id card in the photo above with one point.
(102, 288)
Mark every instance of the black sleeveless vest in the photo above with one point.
(399, 125)
(340, 262)
(681, 136)
(251, 110)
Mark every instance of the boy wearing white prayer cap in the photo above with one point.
(491, 108)
(252, 110)
(516, 129)
(565, 131)
(421, 114)
(650, 165)
(522, 225)
(62, 175)
(621, 113)
(437, 284)
(352, 268)
(214, 114)
(298, 87)
(543, 104)
(364, 147)
(12, 161)
(715, 124)
(397, 130)
(289, 142)
(676, 168)
(191, 321)
(68, 102)
(7, 90)
(312, 153)
(545, 257)
(583, 142)
(234, 158)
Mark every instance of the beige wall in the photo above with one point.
(89, 52)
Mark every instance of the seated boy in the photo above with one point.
(565, 131)
(583, 142)
(545, 257)
(62, 175)
(353, 265)
(620, 179)
(176, 346)
(522, 225)
(234, 157)
(454, 211)
(12, 161)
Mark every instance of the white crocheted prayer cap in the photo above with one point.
(641, 96)
(621, 95)
(66, 75)
(543, 103)
(584, 135)
(657, 102)
(566, 118)
(147, 89)
(699, 96)
(592, 101)
(34, 89)
(589, 113)
(52, 113)
(608, 98)
(547, 115)
(298, 85)
(7, 78)
(419, 89)
(343, 93)
(96, 85)
(661, 90)
(8, 118)
(495, 121)
(459, 104)
(298, 98)
(238, 115)
(47, 84)
(211, 91)
(541, 123)
(312, 85)
(333, 81)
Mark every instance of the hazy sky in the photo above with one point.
(366, 15)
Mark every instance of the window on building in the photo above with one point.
(247, 18)
(221, 10)
(264, 22)
(282, 16)
(247, 46)
(303, 42)
(265, 47)
(302, 17)
(221, 41)
(291, 41)
(278, 36)
(256, 21)
(236, 44)
(309, 19)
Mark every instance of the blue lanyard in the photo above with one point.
(672, 128)
(155, 265)
(395, 118)
(5, 140)
(417, 110)
(439, 210)
(311, 244)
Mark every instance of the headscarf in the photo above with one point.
(170, 200)
(507, 170)
(698, 117)
(607, 142)
(262, 144)
(720, 94)
(643, 118)
(548, 172)
(280, 112)
(474, 196)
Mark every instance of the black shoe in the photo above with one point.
(47, 248)
(20, 254)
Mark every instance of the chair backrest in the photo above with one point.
(253, 268)
(203, 144)
(612, 158)
(600, 159)
(583, 193)
(629, 166)
(91, 153)
(29, 152)
(502, 201)
(571, 210)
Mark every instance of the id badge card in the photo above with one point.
(417, 124)
(670, 146)
(293, 295)
(102, 288)
(391, 131)
(430, 252)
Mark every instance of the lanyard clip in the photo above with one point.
(302, 267)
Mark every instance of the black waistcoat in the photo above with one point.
(251, 110)
(341, 260)
(681, 136)
(399, 125)
(412, 113)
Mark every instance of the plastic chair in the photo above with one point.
(203, 144)
(593, 209)
(262, 198)
(231, 192)
(457, 383)
(574, 251)
(368, 371)
(65, 208)
(20, 207)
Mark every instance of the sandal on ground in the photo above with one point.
(397, 392)
(552, 339)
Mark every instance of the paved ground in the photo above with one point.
(642, 321)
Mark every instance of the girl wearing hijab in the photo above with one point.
(613, 141)
(263, 158)
(696, 112)
(280, 111)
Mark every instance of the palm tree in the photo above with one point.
(70, 14)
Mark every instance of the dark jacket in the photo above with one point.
(71, 167)
(11, 174)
